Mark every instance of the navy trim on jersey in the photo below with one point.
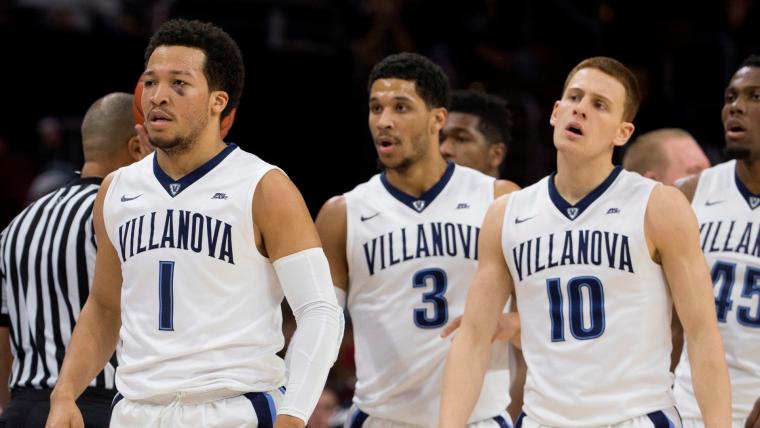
(357, 421)
(264, 408)
(574, 211)
(174, 188)
(518, 422)
(424, 201)
(752, 199)
(502, 422)
(659, 420)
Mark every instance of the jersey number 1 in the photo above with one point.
(575, 289)
(166, 295)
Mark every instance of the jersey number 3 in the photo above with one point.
(424, 317)
(166, 295)
(580, 329)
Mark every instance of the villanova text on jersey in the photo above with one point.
(574, 247)
(741, 237)
(426, 240)
(178, 229)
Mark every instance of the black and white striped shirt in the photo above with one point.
(47, 259)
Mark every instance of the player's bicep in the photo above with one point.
(674, 231)
(280, 213)
(106, 283)
(492, 284)
(331, 227)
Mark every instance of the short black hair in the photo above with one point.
(493, 112)
(223, 68)
(751, 61)
(431, 83)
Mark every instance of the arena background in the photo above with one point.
(304, 105)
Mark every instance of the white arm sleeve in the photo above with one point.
(307, 284)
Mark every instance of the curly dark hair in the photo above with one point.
(431, 83)
(224, 67)
(495, 117)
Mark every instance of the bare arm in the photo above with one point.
(753, 420)
(672, 230)
(97, 329)
(331, 225)
(281, 217)
(687, 186)
(468, 358)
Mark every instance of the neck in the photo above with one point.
(749, 173)
(177, 165)
(419, 177)
(95, 169)
(576, 178)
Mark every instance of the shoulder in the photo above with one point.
(667, 207)
(688, 185)
(503, 187)
(335, 206)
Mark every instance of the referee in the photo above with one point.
(47, 258)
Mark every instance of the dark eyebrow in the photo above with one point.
(173, 72)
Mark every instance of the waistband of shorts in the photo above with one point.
(189, 398)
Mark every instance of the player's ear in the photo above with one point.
(439, 116)
(138, 149)
(553, 117)
(624, 132)
(219, 100)
(498, 153)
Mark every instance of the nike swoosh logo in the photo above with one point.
(519, 220)
(124, 198)
(370, 217)
(711, 203)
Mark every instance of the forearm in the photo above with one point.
(710, 379)
(311, 354)
(92, 345)
(466, 366)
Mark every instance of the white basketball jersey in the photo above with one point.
(410, 265)
(729, 224)
(594, 308)
(200, 306)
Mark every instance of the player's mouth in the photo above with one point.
(386, 143)
(574, 130)
(735, 130)
(159, 118)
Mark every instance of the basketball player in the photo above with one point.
(403, 246)
(665, 155)
(725, 200)
(196, 246)
(476, 133)
(594, 253)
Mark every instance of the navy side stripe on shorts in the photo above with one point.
(263, 405)
(502, 422)
(118, 397)
(357, 421)
(660, 420)
(518, 423)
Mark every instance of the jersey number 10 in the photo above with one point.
(575, 287)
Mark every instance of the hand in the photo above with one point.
(508, 326)
(64, 414)
(287, 421)
(753, 420)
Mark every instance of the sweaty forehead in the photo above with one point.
(461, 120)
(394, 88)
(745, 76)
(597, 82)
(177, 58)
